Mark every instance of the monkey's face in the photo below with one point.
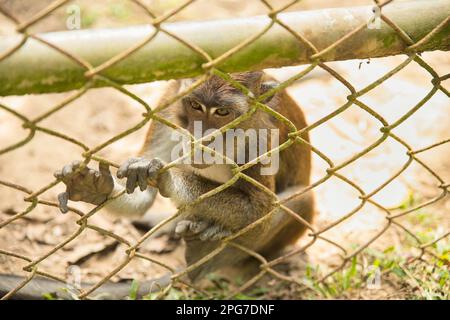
(208, 111)
(208, 115)
(216, 103)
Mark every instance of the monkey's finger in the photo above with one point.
(76, 163)
(76, 166)
(154, 167)
(104, 169)
(58, 174)
(90, 177)
(67, 170)
(199, 226)
(142, 177)
(131, 181)
(64, 172)
(122, 172)
(63, 199)
(220, 235)
(66, 175)
(182, 227)
(209, 233)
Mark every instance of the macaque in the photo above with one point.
(213, 104)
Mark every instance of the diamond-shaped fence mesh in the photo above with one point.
(208, 63)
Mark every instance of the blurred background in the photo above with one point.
(103, 113)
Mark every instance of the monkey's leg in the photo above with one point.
(268, 240)
(203, 239)
(39, 286)
(197, 249)
(282, 231)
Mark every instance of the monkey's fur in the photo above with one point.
(206, 223)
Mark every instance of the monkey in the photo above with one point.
(214, 104)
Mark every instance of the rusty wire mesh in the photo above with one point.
(33, 197)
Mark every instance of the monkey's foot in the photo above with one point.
(200, 230)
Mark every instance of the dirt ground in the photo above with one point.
(103, 113)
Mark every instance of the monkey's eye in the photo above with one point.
(196, 105)
(222, 112)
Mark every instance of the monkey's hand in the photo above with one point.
(86, 184)
(139, 171)
(201, 230)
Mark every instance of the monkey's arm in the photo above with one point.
(40, 286)
(216, 216)
(134, 204)
(232, 208)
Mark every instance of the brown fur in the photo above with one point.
(293, 174)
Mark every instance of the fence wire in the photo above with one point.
(267, 267)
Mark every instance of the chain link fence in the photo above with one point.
(211, 65)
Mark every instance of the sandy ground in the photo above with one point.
(103, 113)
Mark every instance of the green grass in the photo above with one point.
(417, 280)
(373, 274)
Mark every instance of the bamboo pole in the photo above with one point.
(38, 68)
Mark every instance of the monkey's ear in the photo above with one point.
(267, 86)
(251, 80)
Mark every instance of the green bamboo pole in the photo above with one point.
(37, 68)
